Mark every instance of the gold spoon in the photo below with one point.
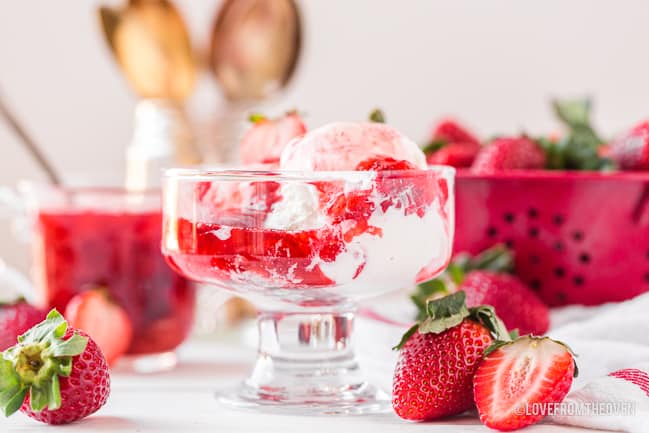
(151, 44)
(150, 41)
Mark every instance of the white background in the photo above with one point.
(494, 63)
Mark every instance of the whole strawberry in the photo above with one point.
(15, 319)
(265, 140)
(457, 155)
(451, 144)
(91, 311)
(515, 303)
(509, 153)
(439, 356)
(486, 279)
(55, 374)
(518, 381)
(631, 151)
(451, 131)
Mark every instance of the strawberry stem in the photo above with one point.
(256, 118)
(377, 116)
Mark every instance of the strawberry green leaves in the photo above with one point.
(451, 310)
(444, 313)
(35, 364)
(12, 393)
(441, 314)
(579, 148)
(497, 258)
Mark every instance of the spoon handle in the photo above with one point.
(29, 143)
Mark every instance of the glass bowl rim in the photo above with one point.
(235, 174)
(26, 186)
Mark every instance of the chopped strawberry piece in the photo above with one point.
(382, 163)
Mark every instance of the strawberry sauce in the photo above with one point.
(83, 250)
(237, 250)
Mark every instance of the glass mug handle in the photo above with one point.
(13, 284)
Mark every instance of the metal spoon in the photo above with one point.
(31, 146)
(255, 46)
(151, 43)
(254, 50)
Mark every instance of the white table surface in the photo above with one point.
(183, 401)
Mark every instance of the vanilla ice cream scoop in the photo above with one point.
(343, 145)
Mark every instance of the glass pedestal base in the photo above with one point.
(306, 366)
(364, 400)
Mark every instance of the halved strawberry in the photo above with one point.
(517, 381)
(266, 139)
(104, 320)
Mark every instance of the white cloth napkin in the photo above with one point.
(611, 341)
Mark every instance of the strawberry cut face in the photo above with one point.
(515, 382)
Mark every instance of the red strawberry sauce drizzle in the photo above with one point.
(291, 259)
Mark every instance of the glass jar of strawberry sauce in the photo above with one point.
(109, 239)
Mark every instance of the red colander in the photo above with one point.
(578, 237)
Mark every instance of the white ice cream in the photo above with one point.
(409, 243)
(342, 146)
(298, 209)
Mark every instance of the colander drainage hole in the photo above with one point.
(532, 213)
(535, 285)
(509, 217)
(533, 232)
(559, 272)
(584, 258)
(646, 277)
(578, 280)
(492, 232)
(509, 243)
(558, 246)
(578, 235)
(558, 219)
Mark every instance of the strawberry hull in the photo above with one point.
(578, 237)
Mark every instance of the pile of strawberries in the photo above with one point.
(460, 354)
(580, 147)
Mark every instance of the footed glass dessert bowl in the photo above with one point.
(304, 248)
